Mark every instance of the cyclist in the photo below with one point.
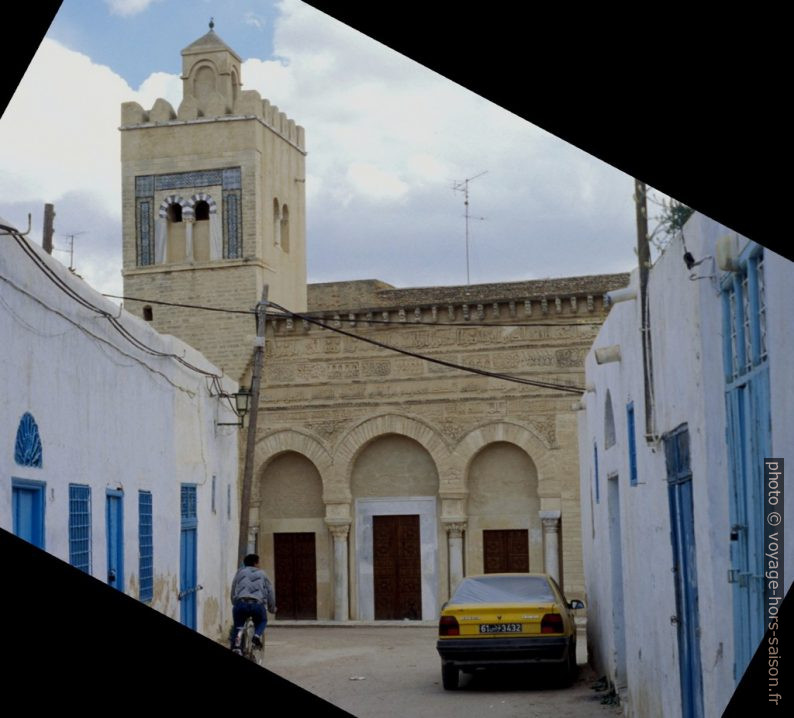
(252, 594)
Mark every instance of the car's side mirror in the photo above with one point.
(575, 604)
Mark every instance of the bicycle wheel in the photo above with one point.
(248, 640)
(259, 653)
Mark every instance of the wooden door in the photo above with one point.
(296, 575)
(506, 551)
(397, 567)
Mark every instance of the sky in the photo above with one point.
(387, 140)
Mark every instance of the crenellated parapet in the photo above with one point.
(371, 302)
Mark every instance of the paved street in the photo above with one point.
(374, 671)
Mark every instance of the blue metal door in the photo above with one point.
(188, 584)
(27, 505)
(115, 538)
(746, 367)
(682, 530)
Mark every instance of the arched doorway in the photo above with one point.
(394, 484)
(504, 527)
(293, 538)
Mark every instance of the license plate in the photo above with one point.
(500, 628)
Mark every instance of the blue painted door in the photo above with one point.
(188, 574)
(27, 505)
(682, 537)
(115, 538)
(746, 368)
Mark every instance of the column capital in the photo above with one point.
(544, 515)
(455, 529)
(339, 530)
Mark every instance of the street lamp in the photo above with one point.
(242, 404)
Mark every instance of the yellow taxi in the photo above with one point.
(506, 619)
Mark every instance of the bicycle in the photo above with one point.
(244, 643)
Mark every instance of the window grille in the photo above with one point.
(80, 527)
(188, 502)
(146, 546)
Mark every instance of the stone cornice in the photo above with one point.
(208, 120)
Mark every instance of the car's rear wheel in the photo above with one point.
(568, 673)
(573, 668)
(449, 676)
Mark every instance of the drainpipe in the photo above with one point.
(644, 258)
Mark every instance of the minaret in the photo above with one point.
(213, 204)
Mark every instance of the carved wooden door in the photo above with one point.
(397, 567)
(505, 551)
(296, 575)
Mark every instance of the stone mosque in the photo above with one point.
(380, 478)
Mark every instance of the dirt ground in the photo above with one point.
(373, 671)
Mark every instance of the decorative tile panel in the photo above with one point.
(145, 232)
(232, 178)
(178, 180)
(232, 224)
(144, 186)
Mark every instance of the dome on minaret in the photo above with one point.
(209, 42)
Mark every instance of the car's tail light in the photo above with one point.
(448, 626)
(551, 623)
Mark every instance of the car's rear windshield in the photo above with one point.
(504, 589)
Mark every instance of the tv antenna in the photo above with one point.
(463, 186)
(70, 237)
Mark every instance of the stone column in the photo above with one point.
(551, 543)
(189, 239)
(341, 572)
(455, 542)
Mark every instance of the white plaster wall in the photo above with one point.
(686, 322)
(113, 417)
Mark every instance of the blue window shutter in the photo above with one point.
(632, 444)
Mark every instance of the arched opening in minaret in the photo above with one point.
(174, 212)
(202, 211)
(201, 231)
(276, 222)
(285, 228)
(175, 242)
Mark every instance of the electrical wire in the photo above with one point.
(113, 321)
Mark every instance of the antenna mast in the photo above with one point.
(463, 186)
(71, 248)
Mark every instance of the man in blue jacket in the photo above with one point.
(252, 595)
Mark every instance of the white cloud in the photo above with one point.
(60, 130)
(375, 182)
(254, 20)
(126, 8)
